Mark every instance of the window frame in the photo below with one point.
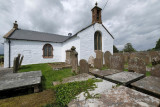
(98, 39)
(46, 46)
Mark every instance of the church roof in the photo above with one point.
(21, 34)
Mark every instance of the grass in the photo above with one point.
(104, 68)
(148, 73)
(31, 100)
(49, 75)
(149, 65)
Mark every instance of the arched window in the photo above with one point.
(97, 41)
(47, 51)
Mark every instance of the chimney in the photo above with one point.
(96, 14)
(15, 25)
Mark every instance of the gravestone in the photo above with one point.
(98, 63)
(156, 71)
(99, 55)
(74, 59)
(91, 61)
(84, 67)
(68, 57)
(126, 57)
(154, 56)
(137, 65)
(117, 62)
(107, 55)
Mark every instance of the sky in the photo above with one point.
(129, 21)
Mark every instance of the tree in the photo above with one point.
(157, 47)
(128, 48)
(115, 50)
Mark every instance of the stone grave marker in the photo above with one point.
(84, 67)
(99, 55)
(98, 63)
(91, 61)
(107, 55)
(154, 56)
(74, 60)
(156, 71)
(117, 62)
(137, 65)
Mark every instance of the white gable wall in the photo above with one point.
(87, 41)
(32, 51)
(74, 41)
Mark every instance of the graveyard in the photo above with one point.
(121, 79)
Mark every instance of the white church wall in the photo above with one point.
(6, 53)
(75, 41)
(87, 41)
(32, 51)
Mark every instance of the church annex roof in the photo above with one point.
(21, 34)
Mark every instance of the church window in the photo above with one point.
(97, 41)
(47, 51)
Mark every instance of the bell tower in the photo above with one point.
(96, 14)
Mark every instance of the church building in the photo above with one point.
(40, 47)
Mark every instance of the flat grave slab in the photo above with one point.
(4, 71)
(19, 80)
(149, 85)
(118, 97)
(103, 73)
(124, 78)
(79, 77)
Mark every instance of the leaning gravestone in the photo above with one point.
(156, 71)
(137, 65)
(91, 61)
(107, 55)
(84, 67)
(117, 62)
(98, 63)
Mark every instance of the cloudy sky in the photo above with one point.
(134, 21)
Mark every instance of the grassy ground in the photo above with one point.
(31, 100)
(49, 75)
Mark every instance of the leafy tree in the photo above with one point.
(115, 50)
(128, 48)
(157, 47)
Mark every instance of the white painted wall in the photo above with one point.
(87, 41)
(32, 51)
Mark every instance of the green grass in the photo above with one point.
(148, 73)
(49, 75)
(149, 65)
(125, 69)
(104, 68)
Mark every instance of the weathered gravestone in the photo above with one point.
(117, 62)
(126, 57)
(99, 55)
(84, 67)
(156, 71)
(91, 61)
(17, 63)
(137, 65)
(74, 60)
(98, 63)
(107, 55)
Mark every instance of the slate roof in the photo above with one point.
(20, 34)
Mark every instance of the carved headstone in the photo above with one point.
(107, 55)
(74, 59)
(68, 57)
(91, 61)
(84, 67)
(98, 63)
(156, 71)
(117, 62)
(137, 65)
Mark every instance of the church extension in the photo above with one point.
(40, 47)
